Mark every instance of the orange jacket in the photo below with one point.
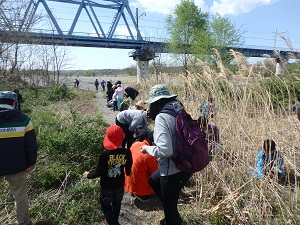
(143, 166)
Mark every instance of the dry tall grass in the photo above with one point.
(246, 118)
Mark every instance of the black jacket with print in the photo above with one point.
(111, 167)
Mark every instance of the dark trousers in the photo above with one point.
(167, 188)
(115, 105)
(110, 201)
(128, 140)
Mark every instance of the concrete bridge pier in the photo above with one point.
(143, 72)
(142, 57)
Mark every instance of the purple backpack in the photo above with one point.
(192, 151)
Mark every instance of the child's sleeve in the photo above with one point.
(128, 163)
(98, 172)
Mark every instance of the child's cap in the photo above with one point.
(113, 137)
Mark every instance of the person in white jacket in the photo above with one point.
(119, 94)
(167, 181)
(131, 120)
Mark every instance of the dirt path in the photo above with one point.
(133, 211)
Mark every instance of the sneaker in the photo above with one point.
(144, 198)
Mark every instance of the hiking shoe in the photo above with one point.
(144, 198)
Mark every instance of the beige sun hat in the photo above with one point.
(140, 103)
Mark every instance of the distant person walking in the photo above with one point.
(19, 99)
(103, 85)
(76, 83)
(96, 84)
(112, 165)
(18, 152)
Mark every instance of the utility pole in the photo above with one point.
(275, 35)
(137, 21)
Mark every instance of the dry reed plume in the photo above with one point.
(246, 118)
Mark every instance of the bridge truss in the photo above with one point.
(104, 34)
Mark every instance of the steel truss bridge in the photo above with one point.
(144, 49)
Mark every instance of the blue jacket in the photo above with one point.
(18, 144)
(275, 161)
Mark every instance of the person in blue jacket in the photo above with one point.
(270, 161)
(19, 147)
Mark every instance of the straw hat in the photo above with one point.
(140, 104)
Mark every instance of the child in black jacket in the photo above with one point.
(111, 170)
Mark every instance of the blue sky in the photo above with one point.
(259, 18)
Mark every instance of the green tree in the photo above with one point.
(224, 35)
(89, 73)
(184, 25)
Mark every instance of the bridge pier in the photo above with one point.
(142, 57)
(142, 71)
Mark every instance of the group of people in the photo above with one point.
(102, 83)
(269, 159)
(136, 159)
(159, 175)
(118, 97)
(152, 169)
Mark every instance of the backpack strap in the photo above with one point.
(170, 112)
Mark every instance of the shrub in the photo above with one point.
(282, 90)
(59, 93)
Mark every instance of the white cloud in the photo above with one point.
(162, 6)
(223, 7)
(122, 31)
(236, 7)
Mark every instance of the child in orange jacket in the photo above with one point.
(143, 166)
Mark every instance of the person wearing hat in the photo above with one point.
(18, 152)
(167, 181)
(140, 105)
(112, 165)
